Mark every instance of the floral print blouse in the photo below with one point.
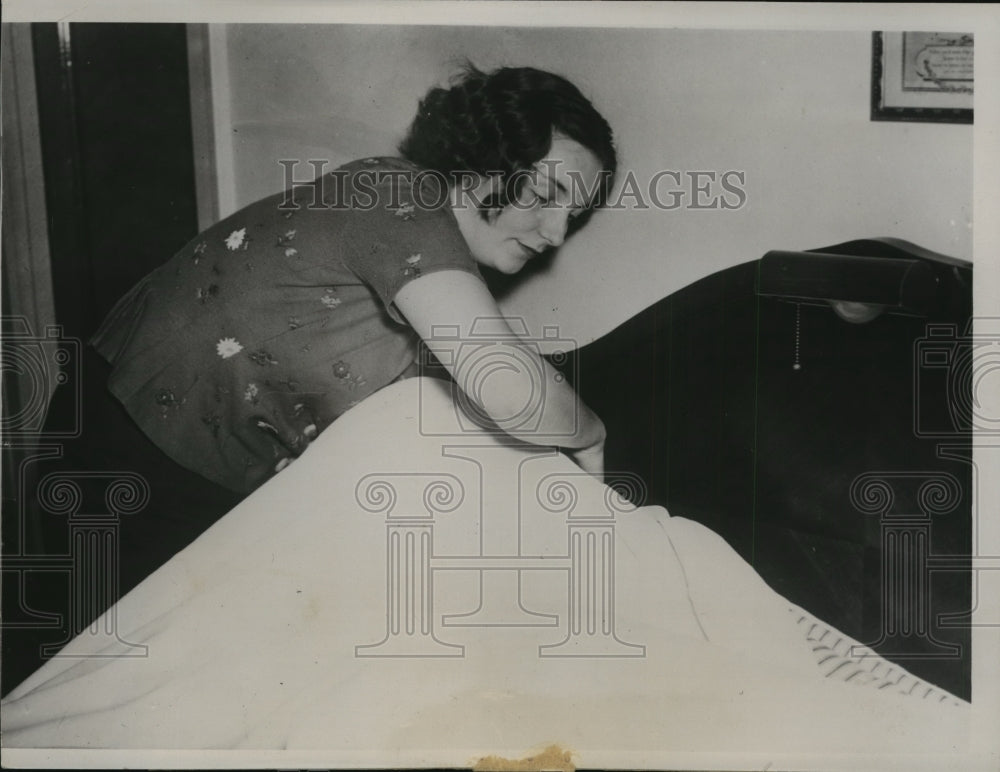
(238, 351)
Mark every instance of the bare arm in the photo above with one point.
(457, 299)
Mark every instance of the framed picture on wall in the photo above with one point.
(922, 76)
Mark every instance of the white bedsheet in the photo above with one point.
(253, 632)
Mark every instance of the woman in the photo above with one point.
(232, 356)
(256, 336)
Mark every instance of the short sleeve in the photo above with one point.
(398, 230)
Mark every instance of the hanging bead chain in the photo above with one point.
(797, 365)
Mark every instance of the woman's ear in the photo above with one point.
(490, 197)
(470, 190)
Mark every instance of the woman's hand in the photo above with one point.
(590, 459)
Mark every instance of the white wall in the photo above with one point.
(790, 109)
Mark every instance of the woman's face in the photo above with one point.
(556, 189)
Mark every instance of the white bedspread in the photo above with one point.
(258, 635)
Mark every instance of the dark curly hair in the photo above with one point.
(502, 122)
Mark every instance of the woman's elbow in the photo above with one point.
(512, 397)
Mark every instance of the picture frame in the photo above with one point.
(922, 77)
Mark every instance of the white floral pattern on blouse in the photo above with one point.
(228, 347)
(236, 239)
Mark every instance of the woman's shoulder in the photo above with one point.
(385, 198)
(394, 174)
(376, 171)
(379, 162)
(385, 187)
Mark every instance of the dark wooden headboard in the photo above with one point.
(745, 402)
